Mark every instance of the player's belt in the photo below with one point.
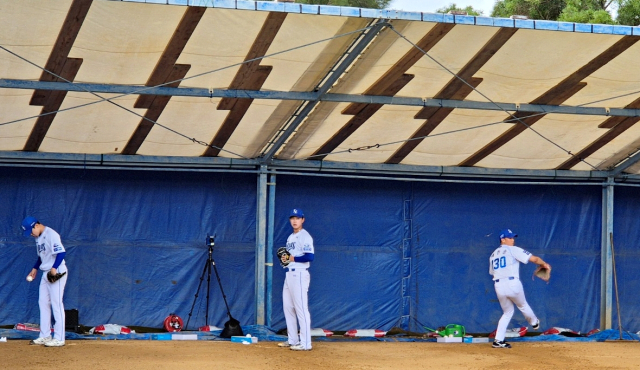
(510, 278)
(299, 269)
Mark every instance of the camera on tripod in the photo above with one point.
(211, 240)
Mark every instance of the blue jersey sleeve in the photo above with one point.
(38, 263)
(307, 257)
(59, 259)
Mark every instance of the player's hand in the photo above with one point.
(53, 271)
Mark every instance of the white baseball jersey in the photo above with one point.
(297, 245)
(505, 261)
(504, 265)
(49, 244)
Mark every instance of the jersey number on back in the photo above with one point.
(499, 262)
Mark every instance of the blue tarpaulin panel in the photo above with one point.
(456, 229)
(135, 243)
(388, 253)
(357, 232)
(626, 243)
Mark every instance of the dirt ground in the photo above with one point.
(156, 355)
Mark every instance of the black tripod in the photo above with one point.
(231, 327)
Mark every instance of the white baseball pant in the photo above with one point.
(50, 298)
(510, 292)
(295, 303)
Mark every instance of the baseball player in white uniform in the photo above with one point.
(295, 301)
(51, 255)
(504, 265)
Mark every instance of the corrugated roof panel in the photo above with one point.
(457, 137)
(389, 125)
(193, 117)
(628, 139)
(29, 29)
(220, 43)
(95, 129)
(14, 105)
(532, 62)
(119, 49)
(530, 150)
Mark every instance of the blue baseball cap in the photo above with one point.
(296, 212)
(507, 233)
(27, 224)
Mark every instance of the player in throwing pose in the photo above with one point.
(50, 258)
(504, 265)
(295, 301)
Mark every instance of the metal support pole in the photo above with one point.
(606, 264)
(261, 223)
(270, 227)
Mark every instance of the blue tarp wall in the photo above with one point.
(388, 253)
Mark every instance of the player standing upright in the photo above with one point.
(50, 259)
(504, 265)
(295, 301)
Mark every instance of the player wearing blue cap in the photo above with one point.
(51, 254)
(504, 265)
(295, 300)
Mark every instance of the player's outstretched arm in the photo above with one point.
(539, 261)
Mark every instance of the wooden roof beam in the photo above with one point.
(61, 65)
(166, 70)
(554, 96)
(164, 66)
(250, 76)
(455, 89)
(616, 125)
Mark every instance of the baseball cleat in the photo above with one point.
(299, 347)
(501, 344)
(40, 341)
(536, 326)
(284, 344)
(54, 343)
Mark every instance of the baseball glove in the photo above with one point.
(283, 256)
(543, 273)
(55, 277)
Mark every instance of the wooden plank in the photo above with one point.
(236, 114)
(434, 118)
(463, 91)
(603, 140)
(478, 61)
(550, 97)
(244, 79)
(178, 71)
(359, 119)
(171, 53)
(557, 95)
(517, 127)
(250, 76)
(613, 121)
(410, 58)
(418, 136)
(61, 48)
(455, 89)
(52, 103)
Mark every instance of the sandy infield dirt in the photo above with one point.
(156, 355)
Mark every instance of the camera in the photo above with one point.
(210, 241)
